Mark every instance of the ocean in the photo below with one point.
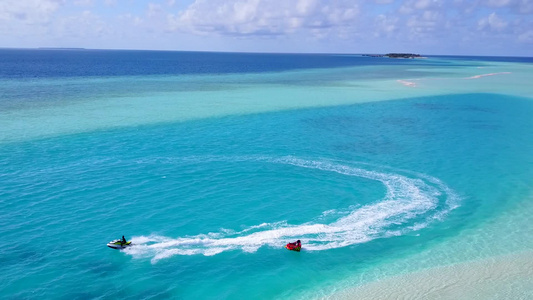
(403, 178)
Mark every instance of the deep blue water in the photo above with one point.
(35, 63)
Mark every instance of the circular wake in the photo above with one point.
(409, 204)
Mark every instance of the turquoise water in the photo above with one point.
(211, 182)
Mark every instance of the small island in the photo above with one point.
(395, 55)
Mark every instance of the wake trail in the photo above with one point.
(410, 204)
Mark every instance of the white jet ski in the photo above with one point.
(118, 244)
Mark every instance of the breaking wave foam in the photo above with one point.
(410, 204)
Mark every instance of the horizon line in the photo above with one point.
(242, 52)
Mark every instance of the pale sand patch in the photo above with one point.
(503, 277)
(485, 75)
(407, 83)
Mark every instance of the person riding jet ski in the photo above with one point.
(296, 246)
(119, 244)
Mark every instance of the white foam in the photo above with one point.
(410, 204)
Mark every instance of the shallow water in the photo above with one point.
(211, 174)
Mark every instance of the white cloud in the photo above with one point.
(411, 6)
(425, 4)
(525, 6)
(28, 11)
(110, 2)
(385, 25)
(263, 17)
(83, 2)
(526, 37)
(492, 23)
(81, 26)
(518, 6)
(312, 25)
(425, 23)
(498, 3)
(130, 20)
(154, 9)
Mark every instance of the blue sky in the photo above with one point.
(475, 27)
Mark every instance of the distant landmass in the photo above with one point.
(395, 55)
(54, 48)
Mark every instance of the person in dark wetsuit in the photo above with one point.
(123, 241)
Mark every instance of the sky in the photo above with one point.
(432, 27)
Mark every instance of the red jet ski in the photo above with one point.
(296, 246)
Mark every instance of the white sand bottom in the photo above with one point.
(503, 277)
